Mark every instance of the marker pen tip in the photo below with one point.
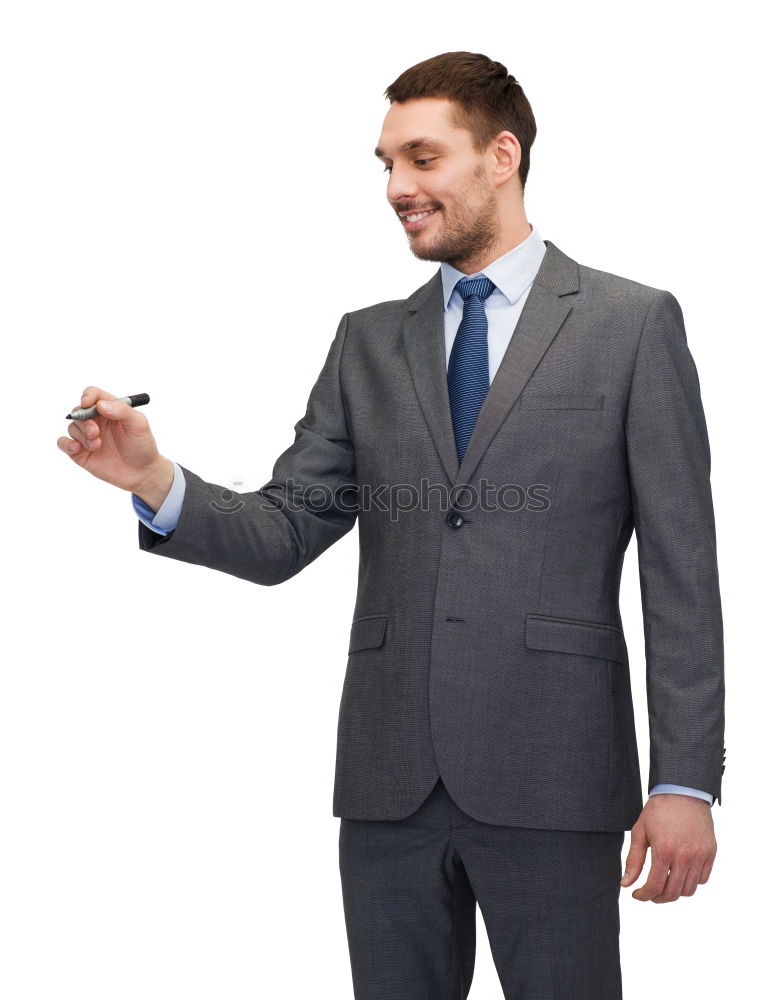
(68, 416)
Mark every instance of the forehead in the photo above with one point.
(422, 121)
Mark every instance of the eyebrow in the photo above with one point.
(426, 141)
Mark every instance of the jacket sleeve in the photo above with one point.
(669, 466)
(268, 535)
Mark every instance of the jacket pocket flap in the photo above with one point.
(367, 632)
(567, 635)
(561, 401)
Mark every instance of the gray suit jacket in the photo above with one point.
(486, 644)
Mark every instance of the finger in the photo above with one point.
(656, 880)
(674, 884)
(635, 859)
(705, 872)
(90, 428)
(76, 432)
(93, 392)
(81, 433)
(692, 879)
(72, 448)
(115, 410)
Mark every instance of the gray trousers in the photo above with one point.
(549, 901)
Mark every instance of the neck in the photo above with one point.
(513, 230)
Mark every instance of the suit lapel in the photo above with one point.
(426, 355)
(542, 316)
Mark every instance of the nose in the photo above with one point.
(402, 186)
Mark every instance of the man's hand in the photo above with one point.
(679, 831)
(117, 446)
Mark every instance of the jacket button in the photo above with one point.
(454, 519)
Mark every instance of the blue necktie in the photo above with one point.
(468, 371)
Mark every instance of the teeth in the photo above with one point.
(420, 215)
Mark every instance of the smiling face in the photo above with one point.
(443, 192)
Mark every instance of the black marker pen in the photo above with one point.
(80, 413)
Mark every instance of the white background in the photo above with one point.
(190, 202)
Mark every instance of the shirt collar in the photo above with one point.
(512, 273)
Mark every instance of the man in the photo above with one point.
(486, 744)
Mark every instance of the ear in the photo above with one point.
(507, 157)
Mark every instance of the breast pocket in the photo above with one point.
(561, 401)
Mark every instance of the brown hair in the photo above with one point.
(486, 98)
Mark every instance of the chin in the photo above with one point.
(424, 253)
(432, 251)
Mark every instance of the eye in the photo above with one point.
(429, 160)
